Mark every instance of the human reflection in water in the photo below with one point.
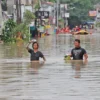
(77, 65)
(20, 46)
(35, 66)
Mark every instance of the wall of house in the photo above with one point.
(26, 2)
(1, 22)
(23, 8)
(10, 4)
(47, 8)
(98, 15)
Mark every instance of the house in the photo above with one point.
(25, 4)
(98, 12)
(1, 19)
(47, 6)
(10, 4)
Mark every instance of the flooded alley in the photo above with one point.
(55, 79)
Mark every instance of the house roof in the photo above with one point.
(48, 3)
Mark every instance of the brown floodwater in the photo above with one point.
(55, 79)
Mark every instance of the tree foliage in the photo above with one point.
(81, 9)
(11, 28)
(28, 17)
(98, 24)
(37, 5)
(7, 34)
(24, 27)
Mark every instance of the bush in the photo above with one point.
(11, 28)
(28, 17)
(23, 29)
(7, 34)
(98, 24)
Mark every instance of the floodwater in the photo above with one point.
(55, 79)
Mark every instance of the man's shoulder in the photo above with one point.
(73, 49)
(82, 48)
(39, 52)
(31, 49)
(78, 49)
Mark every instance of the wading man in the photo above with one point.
(78, 53)
(35, 54)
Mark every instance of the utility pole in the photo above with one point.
(20, 11)
(57, 13)
(1, 19)
(64, 16)
(18, 8)
(32, 4)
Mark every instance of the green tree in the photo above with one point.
(7, 34)
(28, 17)
(81, 9)
(11, 28)
(37, 5)
(52, 0)
(24, 27)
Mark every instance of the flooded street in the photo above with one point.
(55, 79)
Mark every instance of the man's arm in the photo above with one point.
(27, 47)
(85, 56)
(44, 58)
(71, 54)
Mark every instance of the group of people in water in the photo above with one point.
(82, 27)
(77, 53)
(77, 28)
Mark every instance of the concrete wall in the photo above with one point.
(1, 19)
(10, 4)
(98, 13)
(26, 2)
(24, 8)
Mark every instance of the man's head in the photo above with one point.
(77, 43)
(35, 45)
